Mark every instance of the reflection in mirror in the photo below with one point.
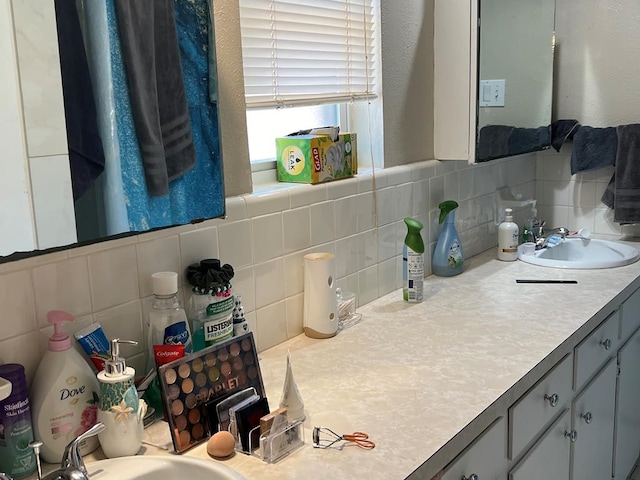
(515, 77)
(142, 124)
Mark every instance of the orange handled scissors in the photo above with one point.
(361, 439)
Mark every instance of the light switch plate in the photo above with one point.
(491, 93)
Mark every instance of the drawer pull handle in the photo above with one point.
(606, 343)
(553, 399)
(572, 435)
(473, 476)
(588, 417)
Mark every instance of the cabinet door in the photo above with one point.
(627, 438)
(593, 351)
(592, 417)
(486, 457)
(548, 459)
(535, 409)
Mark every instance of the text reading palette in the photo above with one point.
(190, 382)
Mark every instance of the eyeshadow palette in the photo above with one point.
(195, 380)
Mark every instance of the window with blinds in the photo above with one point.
(305, 52)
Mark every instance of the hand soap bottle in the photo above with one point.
(120, 409)
(64, 395)
(508, 238)
(448, 257)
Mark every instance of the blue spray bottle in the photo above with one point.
(448, 258)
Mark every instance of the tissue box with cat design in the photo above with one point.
(316, 158)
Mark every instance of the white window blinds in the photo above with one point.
(304, 52)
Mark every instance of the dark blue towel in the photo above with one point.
(525, 140)
(493, 142)
(562, 131)
(86, 156)
(623, 192)
(593, 148)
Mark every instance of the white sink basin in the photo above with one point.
(162, 466)
(579, 253)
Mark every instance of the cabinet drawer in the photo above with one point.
(630, 316)
(486, 457)
(548, 459)
(539, 405)
(596, 349)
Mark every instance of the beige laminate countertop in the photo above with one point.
(413, 376)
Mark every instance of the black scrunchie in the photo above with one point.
(207, 277)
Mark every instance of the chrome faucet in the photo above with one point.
(542, 241)
(72, 466)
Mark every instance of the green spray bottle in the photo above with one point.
(448, 257)
(413, 262)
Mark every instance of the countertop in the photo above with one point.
(424, 379)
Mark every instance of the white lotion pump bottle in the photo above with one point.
(508, 238)
(121, 411)
(64, 395)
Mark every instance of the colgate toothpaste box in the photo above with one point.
(316, 158)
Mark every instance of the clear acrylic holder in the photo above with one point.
(273, 448)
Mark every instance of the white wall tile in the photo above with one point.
(269, 281)
(404, 201)
(436, 192)
(387, 241)
(297, 230)
(365, 182)
(161, 255)
(342, 188)
(421, 196)
(386, 205)
(235, 208)
(235, 243)
(294, 308)
(196, 245)
(346, 211)
(267, 237)
(368, 284)
(347, 252)
(271, 324)
(23, 350)
(323, 222)
(451, 186)
(387, 276)
(366, 211)
(305, 195)
(399, 175)
(294, 273)
(269, 202)
(244, 283)
(64, 286)
(124, 322)
(16, 298)
(114, 277)
(368, 251)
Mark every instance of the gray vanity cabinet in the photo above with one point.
(592, 418)
(627, 436)
(549, 457)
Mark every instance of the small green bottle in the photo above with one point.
(413, 262)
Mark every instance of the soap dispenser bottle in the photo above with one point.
(508, 238)
(448, 257)
(120, 409)
(64, 395)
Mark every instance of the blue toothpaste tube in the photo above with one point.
(95, 344)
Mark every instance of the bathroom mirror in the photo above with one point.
(515, 77)
(108, 208)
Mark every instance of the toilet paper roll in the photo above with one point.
(320, 315)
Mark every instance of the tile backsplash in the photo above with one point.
(265, 236)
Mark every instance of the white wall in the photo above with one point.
(597, 68)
